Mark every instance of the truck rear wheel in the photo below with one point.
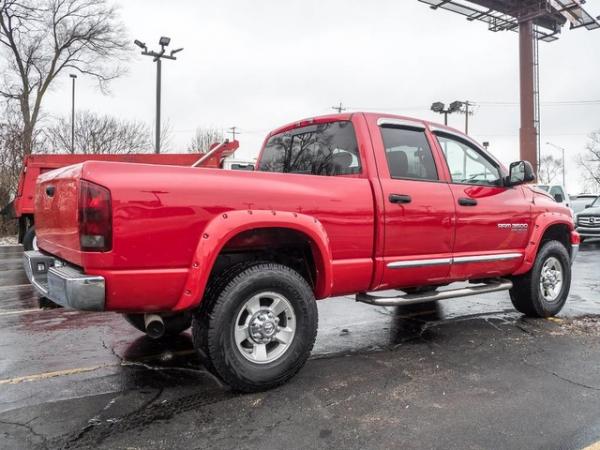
(259, 329)
(30, 240)
(543, 291)
(174, 325)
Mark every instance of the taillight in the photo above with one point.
(95, 221)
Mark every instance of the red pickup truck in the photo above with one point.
(342, 204)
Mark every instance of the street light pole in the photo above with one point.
(564, 164)
(440, 108)
(157, 57)
(73, 77)
(158, 102)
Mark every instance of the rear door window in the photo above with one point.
(325, 149)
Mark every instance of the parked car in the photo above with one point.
(557, 192)
(579, 202)
(21, 208)
(342, 204)
(588, 221)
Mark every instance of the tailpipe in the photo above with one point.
(155, 326)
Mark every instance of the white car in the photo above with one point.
(558, 192)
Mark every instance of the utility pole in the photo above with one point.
(233, 132)
(339, 108)
(468, 112)
(157, 57)
(73, 77)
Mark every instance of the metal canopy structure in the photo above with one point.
(535, 20)
(549, 16)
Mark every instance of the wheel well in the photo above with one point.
(558, 232)
(281, 245)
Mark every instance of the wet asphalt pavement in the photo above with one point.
(463, 373)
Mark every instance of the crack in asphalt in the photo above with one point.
(127, 363)
(148, 413)
(95, 421)
(29, 428)
(560, 377)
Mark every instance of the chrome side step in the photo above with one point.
(496, 285)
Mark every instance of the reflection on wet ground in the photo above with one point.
(50, 354)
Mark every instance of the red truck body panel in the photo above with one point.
(34, 165)
(170, 223)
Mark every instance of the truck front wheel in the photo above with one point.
(258, 331)
(543, 291)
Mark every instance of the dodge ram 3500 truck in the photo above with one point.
(342, 204)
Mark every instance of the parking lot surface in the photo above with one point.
(466, 373)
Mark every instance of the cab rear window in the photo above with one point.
(325, 149)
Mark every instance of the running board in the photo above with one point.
(410, 299)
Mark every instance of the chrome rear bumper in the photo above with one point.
(64, 284)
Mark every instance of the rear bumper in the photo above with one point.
(64, 284)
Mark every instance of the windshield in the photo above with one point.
(595, 203)
(543, 187)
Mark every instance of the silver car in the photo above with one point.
(588, 221)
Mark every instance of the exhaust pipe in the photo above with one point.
(155, 327)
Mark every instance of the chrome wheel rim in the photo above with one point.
(265, 327)
(551, 279)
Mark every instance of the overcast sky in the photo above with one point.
(262, 63)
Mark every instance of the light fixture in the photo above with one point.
(438, 107)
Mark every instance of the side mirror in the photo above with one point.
(588, 206)
(520, 172)
(558, 198)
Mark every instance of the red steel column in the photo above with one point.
(528, 132)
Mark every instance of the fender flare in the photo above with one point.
(222, 228)
(541, 225)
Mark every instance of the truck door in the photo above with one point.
(492, 221)
(418, 207)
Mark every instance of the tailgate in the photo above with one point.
(56, 213)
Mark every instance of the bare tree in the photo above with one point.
(204, 138)
(589, 161)
(11, 159)
(166, 136)
(549, 169)
(43, 38)
(95, 134)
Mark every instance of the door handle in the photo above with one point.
(400, 198)
(464, 201)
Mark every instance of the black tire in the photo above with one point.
(526, 294)
(174, 324)
(213, 325)
(29, 239)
